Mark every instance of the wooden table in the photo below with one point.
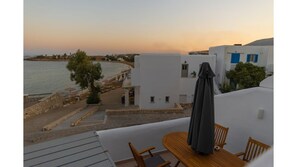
(176, 143)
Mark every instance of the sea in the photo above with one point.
(51, 76)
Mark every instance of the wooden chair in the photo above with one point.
(152, 161)
(253, 149)
(220, 135)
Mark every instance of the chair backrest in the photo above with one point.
(138, 158)
(253, 149)
(220, 135)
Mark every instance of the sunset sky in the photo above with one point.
(102, 27)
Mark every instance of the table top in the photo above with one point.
(176, 143)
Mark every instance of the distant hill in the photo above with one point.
(261, 42)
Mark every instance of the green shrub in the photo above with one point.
(93, 98)
(246, 75)
(226, 88)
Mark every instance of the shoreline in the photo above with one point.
(131, 64)
(106, 80)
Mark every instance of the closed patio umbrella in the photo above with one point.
(201, 129)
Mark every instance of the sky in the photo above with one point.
(102, 27)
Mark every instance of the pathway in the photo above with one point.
(67, 123)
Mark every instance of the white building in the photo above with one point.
(161, 80)
(227, 56)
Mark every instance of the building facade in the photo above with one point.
(162, 80)
(227, 56)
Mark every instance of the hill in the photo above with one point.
(261, 42)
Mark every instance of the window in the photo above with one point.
(152, 99)
(235, 57)
(252, 58)
(184, 66)
(167, 99)
(184, 72)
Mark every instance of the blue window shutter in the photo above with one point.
(256, 58)
(248, 59)
(235, 57)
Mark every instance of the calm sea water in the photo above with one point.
(47, 76)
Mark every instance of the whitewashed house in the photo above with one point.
(161, 80)
(227, 56)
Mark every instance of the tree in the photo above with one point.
(64, 56)
(40, 56)
(85, 73)
(246, 75)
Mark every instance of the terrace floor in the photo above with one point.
(167, 156)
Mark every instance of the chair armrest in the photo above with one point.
(147, 150)
(239, 154)
(164, 164)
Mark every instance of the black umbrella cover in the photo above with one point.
(201, 129)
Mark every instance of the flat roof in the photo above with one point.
(84, 149)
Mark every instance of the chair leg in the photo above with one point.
(177, 163)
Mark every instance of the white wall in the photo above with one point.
(269, 65)
(219, 53)
(136, 95)
(135, 72)
(135, 79)
(238, 111)
(244, 50)
(195, 61)
(187, 85)
(141, 136)
(135, 76)
(159, 76)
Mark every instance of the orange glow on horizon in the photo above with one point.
(181, 44)
(104, 27)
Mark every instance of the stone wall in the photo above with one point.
(177, 109)
(50, 102)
